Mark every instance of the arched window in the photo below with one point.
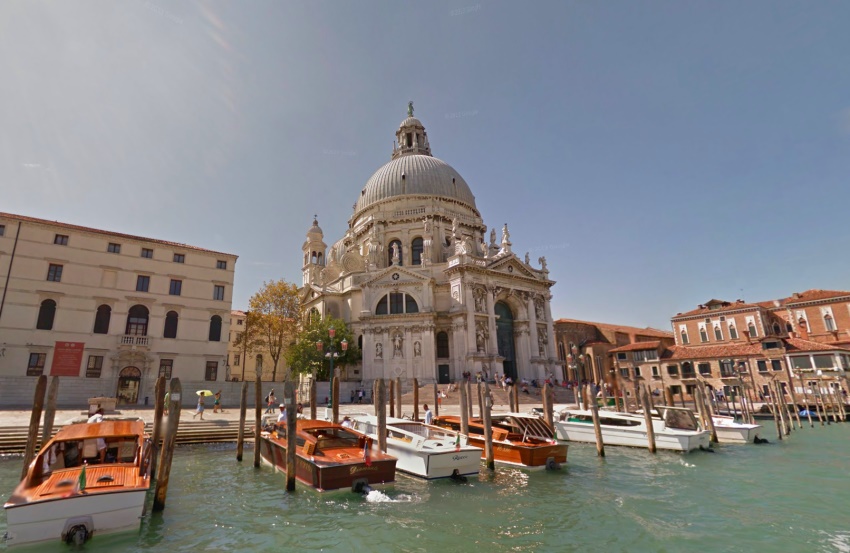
(320, 258)
(397, 244)
(442, 345)
(789, 328)
(829, 323)
(46, 314)
(101, 319)
(685, 339)
(751, 327)
(777, 330)
(137, 321)
(170, 325)
(215, 328)
(718, 333)
(410, 305)
(259, 363)
(396, 303)
(382, 307)
(733, 332)
(416, 248)
(703, 335)
(562, 351)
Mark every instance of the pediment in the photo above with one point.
(394, 276)
(513, 266)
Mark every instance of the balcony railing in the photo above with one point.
(133, 340)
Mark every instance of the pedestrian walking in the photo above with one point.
(217, 403)
(271, 400)
(200, 408)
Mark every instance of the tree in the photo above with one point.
(273, 320)
(304, 357)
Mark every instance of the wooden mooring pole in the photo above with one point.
(548, 409)
(806, 402)
(436, 400)
(50, 410)
(775, 409)
(335, 400)
(464, 409)
(487, 404)
(258, 419)
(243, 411)
(35, 418)
(175, 401)
(480, 390)
(468, 385)
(289, 402)
(647, 417)
(313, 406)
(158, 408)
(416, 399)
(398, 397)
(392, 398)
(594, 411)
(381, 411)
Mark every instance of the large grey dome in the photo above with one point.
(423, 175)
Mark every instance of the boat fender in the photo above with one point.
(708, 449)
(78, 530)
(361, 485)
(758, 440)
(551, 464)
(457, 477)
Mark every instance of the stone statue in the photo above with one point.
(427, 226)
(455, 233)
(541, 343)
(493, 237)
(527, 259)
(542, 261)
(395, 249)
(466, 246)
(485, 249)
(379, 351)
(478, 294)
(410, 108)
(506, 236)
(417, 349)
(538, 309)
(398, 341)
(480, 338)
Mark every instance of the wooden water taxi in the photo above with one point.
(518, 440)
(328, 456)
(90, 479)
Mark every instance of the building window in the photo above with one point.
(142, 283)
(727, 368)
(54, 273)
(416, 248)
(215, 329)
(442, 345)
(704, 369)
(95, 366)
(776, 364)
(685, 339)
(175, 287)
(655, 372)
(113, 248)
(179, 258)
(221, 264)
(212, 370)
(777, 330)
(61, 239)
(35, 367)
(562, 351)
(101, 319)
(622, 356)
(624, 372)
(398, 303)
(675, 390)
(637, 372)
(751, 328)
(733, 332)
(170, 330)
(761, 365)
(147, 253)
(165, 366)
(673, 370)
(2, 230)
(687, 370)
(218, 292)
(137, 321)
(238, 322)
(237, 358)
(718, 333)
(829, 323)
(46, 314)
(703, 335)
(397, 244)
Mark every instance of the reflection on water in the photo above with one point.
(787, 496)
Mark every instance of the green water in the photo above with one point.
(789, 496)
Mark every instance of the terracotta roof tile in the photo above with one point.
(798, 344)
(637, 346)
(712, 352)
(706, 311)
(68, 226)
(816, 295)
(648, 331)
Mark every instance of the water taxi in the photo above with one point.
(90, 479)
(424, 450)
(518, 440)
(729, 431)
(329, 456)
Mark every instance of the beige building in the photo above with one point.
(424, 291)
(245, 365)
(108, 312)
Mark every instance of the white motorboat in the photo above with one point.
(675, 428)
(89, 479)
(731, 432)
(423, 450)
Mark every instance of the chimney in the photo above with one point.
(804, 329)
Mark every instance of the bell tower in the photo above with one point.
(314, 254)
(411, 137)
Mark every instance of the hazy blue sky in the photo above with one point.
(658, 154)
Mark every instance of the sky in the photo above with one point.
(658, 154)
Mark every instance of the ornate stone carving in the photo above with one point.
(481, 335)
(395, 252)
(398, 344)
(539, 311)
(506, 241)
(417, 349)
(527, 259)
(542, 261)
(479, 294)
(542, 340)
(379, 351)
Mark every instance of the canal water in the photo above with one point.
(784, 496)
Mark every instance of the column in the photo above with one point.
(493, 342)
(532, 325)
(469, 306)
(523, 352)
(550, 327)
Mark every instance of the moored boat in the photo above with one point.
(675, 428)
(518, 440)
(424, 450)
(328, 456)
(89, 479)
(729, 431)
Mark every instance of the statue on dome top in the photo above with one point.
(542, 262)
(410, 108)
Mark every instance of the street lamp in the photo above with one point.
(332, 353)
(575, 361)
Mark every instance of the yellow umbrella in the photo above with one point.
(205, 393)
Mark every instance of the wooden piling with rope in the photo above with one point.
(289, 403)
(243, 411)
(258, 419)
(35, 418)
(158, 408)
(175, 398)
(381, 411)
(50, 410)
(436, 400)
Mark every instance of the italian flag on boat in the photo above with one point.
(457, 442)
(81, 482)
(367, 453)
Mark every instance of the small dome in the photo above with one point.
(315, 229)
(411, 122)
(415, 175)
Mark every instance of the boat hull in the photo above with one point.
(434, 465)
(737, 435)
(632, 437)
(43, 521)
(327, 477)
(533, 457)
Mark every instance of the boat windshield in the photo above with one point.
(332, 438)
(680, 419)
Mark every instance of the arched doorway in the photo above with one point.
(129, 380)
(505, 338)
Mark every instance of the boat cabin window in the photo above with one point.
(611, 421)
(680, 419)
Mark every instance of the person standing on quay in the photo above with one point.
(217, 403)
(200, 409)
(429, 416)
(270, 401)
